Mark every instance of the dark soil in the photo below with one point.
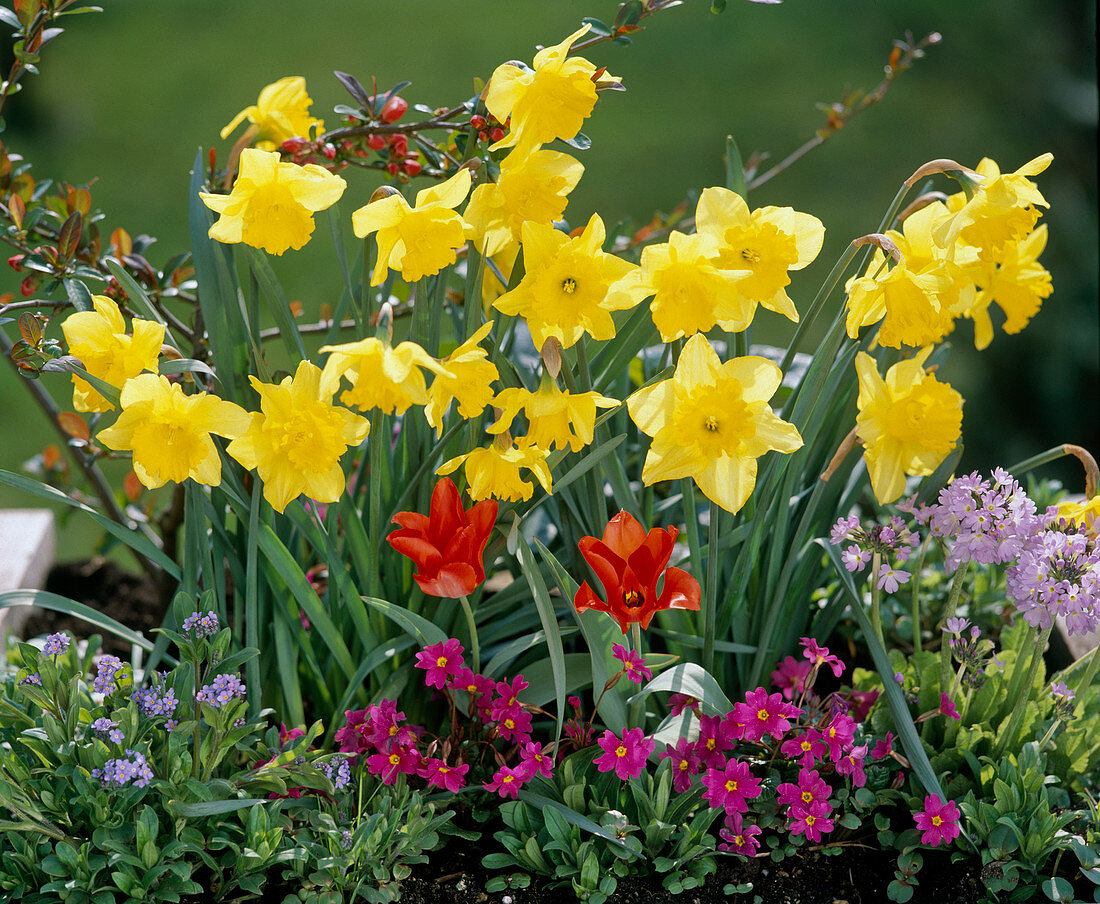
(128, 598)
(455, 876)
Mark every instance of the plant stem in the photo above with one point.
(876, 606)
(1086, 679)
(710, 617)
(916, 595)
(472, 626)
(949, 612)
(1022, 695)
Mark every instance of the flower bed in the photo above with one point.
(647, 620)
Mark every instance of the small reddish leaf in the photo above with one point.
(51, 457)
(121, 243)
(132, 487)
(74, 425)
(80, 200)
(296, 309)
(16, 210)
(68, 239)
(30, 327)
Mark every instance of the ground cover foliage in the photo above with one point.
(517, 542)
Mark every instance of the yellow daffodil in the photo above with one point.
(495, 472)
(420, 240)
(532, 187)
(690, 294)
(169, 432)
(281, 112)
(1086, 514)
(710, 421)
(491, 287)
(467, 378)
(1001, 210)
(550, 101)
(564, 290)
(382, 377)
(272, 203)
(908, 423)
(768, 241)
(98, 338)
(296, 441)
(907, 303)
(561, 420)
(1018, 283)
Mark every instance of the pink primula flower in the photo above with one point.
(677, 703)
(633, 663)
(883, 748)
(764, 714)
(626, 755)
(819, 656)
(811, 820)
(852, 764)
(839, 735)
(442, 660)
(507, 782)
(401, 759)
(731, 788)
(806, 747)
(449, 778)
(811, 788)
(790, 677)
(715, 737)
(947, 708)
(938, 821)
(685, 763)
(534, 762)
(738, 838)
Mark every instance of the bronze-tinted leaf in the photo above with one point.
(68, 239)
(74, 425)
(30, 327)
(17, 210)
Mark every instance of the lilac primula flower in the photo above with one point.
(889, 579)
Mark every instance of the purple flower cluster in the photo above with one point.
(201, 624)
(107, 728)
(56, 644)
(151, 703)
(32, 678)
(1057, 573)
(221, 690)
(987, 521)
(890, 540)
(105, 681)
(338, 771)
(970, 649)
(122, 771)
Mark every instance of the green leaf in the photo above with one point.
(549, 618)
(540, 675)
(578, 819)
(213, 807)
(735, 169)
(903, 721)
(692, 679)
(185, 365)
(132, 288)
(277, 300)
(55, 603)
(79, 296)
(423, 631)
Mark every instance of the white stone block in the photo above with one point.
(28, 544)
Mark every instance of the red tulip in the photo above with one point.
(447, 545)
(629, 563)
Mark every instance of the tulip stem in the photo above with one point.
(710, 617)
(472, 626)
(876, 605)
(637, 708)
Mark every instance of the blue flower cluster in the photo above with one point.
(202, 624)
(122, 771)
(221, 690)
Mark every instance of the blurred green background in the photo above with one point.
(127, 97)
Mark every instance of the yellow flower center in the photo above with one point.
(929, 416)
(762, 715)
(806, 745)
(394, 759)
(810, 820)
(683, 765)
(569, 285)
(937, 821)
(807, 796)
(731, 785)
(752, 257)
(506, 780)
(633, 598)
(509, 724)
(832, 732)
(275, 220)
(710, 743)
(739, 840)
(714, 419)
(711, 424)
(620, 751)
(441, 662)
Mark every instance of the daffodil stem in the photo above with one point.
(876, 593)
(952, 604)
(1043, 458)
(710, 617)
(691, 527)
(471, 625)
(1089, 674)
(377, 450)
(916, 595)
(1022, 693)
